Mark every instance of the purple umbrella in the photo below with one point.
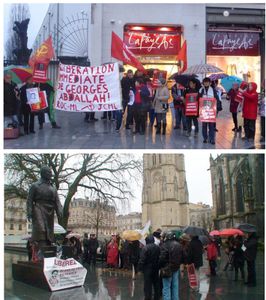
(217, 76)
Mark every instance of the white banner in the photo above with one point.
(62, 274)
(85, 89)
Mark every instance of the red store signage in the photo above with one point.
(152, 43)
(233, 43)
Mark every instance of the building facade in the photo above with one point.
(128, 222)
(165, 193)
(200, 215)
(230, 36)
(87, 216)
(238, 190)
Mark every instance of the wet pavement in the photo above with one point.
(77, 134)
(102, 284)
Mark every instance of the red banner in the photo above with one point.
(192, 276)
(192, 105)
(239, 95)
(152, 43)
(42, 104)
(207, 110)
(233, 43)
(157, 75)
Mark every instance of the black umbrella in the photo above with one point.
(195, 231)
(204, 240)
(184, 79)
(245, 227)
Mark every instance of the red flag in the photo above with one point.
(182, 55)
(44, 53)
(119, 50)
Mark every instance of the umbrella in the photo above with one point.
(73, 234)
(217, 76)
(184, 79)
(19, 73)
(228, 82)
(214, 232)
(245, 227)
(131, 235)
(58, 229)
(204, 240)
(195, 231)
(230, 231)
(202, 69)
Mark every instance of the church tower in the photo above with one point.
(164, 194)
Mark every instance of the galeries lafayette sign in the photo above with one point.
(233, 43)
(146, 43)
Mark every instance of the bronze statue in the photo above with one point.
(42, 202)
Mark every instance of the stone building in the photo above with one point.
(15, 217)
(91, 217)
(238, 190)
(165, 193)
(130, 221)
(200, 215)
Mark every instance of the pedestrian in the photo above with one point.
(192, 89)
(76, 248)
(218, 242)
(169, 262)
(195, 252)
(93, 244)
(239, 259)
(184, 241)
(229, 251)
(160, 100)
(209, 92)
(234, 106)
(149, 265)
(179, 104)
(112, 253)
(250, 253)
(262, 117)
(85, 248)
(157, 236)
(250, 108)
(212, 254)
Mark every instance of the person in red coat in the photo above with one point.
(112, 253)
(234, 105)
(212, 254)
(250, 110)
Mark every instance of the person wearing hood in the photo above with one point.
(234, 105)
(160, 100)
(250, 253)
(149, 265)
(250, 109)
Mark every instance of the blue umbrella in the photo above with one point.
(228, 82)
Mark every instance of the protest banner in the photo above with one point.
(191, 105)
(207, 110)
(32, 96)
(157, 75)
(87, 89)
(192, 276)
(62, 274)
(42, 104)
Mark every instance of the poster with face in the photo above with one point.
(42, 104)
(207, 110)
(32, 96)
(191, 105)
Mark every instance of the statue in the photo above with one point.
(42, 202)
(23, 53)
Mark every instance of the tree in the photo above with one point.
(18, 12)
(111, 176)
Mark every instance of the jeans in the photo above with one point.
(171, 286)
(250, 128)
(151, 279)
(234, 115)
(11, 120)
(180, 116)
(211, 133)
(129, 120)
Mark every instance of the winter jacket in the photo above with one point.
(149, 256)
(238, 258)
(134, 252)
(112, 254)
(195, 251)
(177, 93)
(212, 252)
(161, 97)
(93, 245)
(233, 104)
(250, 106)
(10, 99)
(126, 85)
(251, 244)
(142, 97)
(171, 253)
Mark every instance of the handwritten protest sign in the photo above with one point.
(62, 274)
(207, 110)
(85, 89)
(191, 106)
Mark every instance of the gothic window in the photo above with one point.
(220, 194)
(239, 193)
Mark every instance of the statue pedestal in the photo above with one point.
(30, 273)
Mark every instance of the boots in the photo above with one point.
(164, 128)
(158, 129)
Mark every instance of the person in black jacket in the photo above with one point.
(149, 265)
(238, 258)
(85, 248)
(251, 244)
(195, 252)
(92, 247)
(170, 258)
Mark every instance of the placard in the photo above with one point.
(157, 75)
(32, 96)
(192, 276)
(42, 104)
(86, 89)
(191, 104)
(207, 110)
(62, 274)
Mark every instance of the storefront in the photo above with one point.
(236, 52)
(156, 46)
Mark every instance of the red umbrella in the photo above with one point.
(231, 231)
(215, 232)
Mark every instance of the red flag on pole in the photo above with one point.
(182, 55)
(119, 50)
(44, 54)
